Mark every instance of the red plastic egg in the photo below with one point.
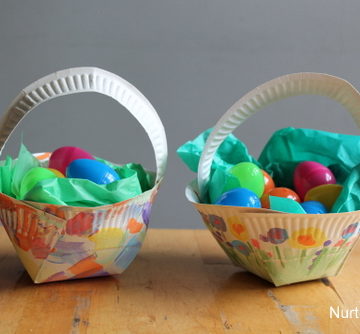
(310, 174)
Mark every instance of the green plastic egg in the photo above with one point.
(249, 176)
(32, 177)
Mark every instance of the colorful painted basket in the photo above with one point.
(282, 248)
(61, 242)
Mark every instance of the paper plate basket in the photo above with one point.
(61, 242)
(282, 248)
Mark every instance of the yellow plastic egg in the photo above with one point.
(56, 172)
(325, 194)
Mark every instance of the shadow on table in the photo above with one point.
(12, 273)
(151, 270)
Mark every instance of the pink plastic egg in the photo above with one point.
(63, 156)
(310, 174)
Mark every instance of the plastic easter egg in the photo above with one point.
(61, 158)
(249, 176)
(268, 182)
(240, 197)
(314, 207)
(310, 174)
(326, 194)
(279, 192)
(34, 176)
(92, 170)
(56, 172)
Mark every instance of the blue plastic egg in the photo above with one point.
(314, 207)
(240, 197)
(92, 170)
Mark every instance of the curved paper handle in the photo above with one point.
(271, 91)
(89, 79)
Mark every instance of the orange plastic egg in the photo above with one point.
(279, 192)
(269, 182)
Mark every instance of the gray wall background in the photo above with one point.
(192, 59)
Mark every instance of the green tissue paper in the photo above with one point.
(70, 191)
(285, 149)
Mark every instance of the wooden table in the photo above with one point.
(181, 282)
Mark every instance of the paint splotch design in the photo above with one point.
(60, 242)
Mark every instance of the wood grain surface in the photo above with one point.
(181, 282)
